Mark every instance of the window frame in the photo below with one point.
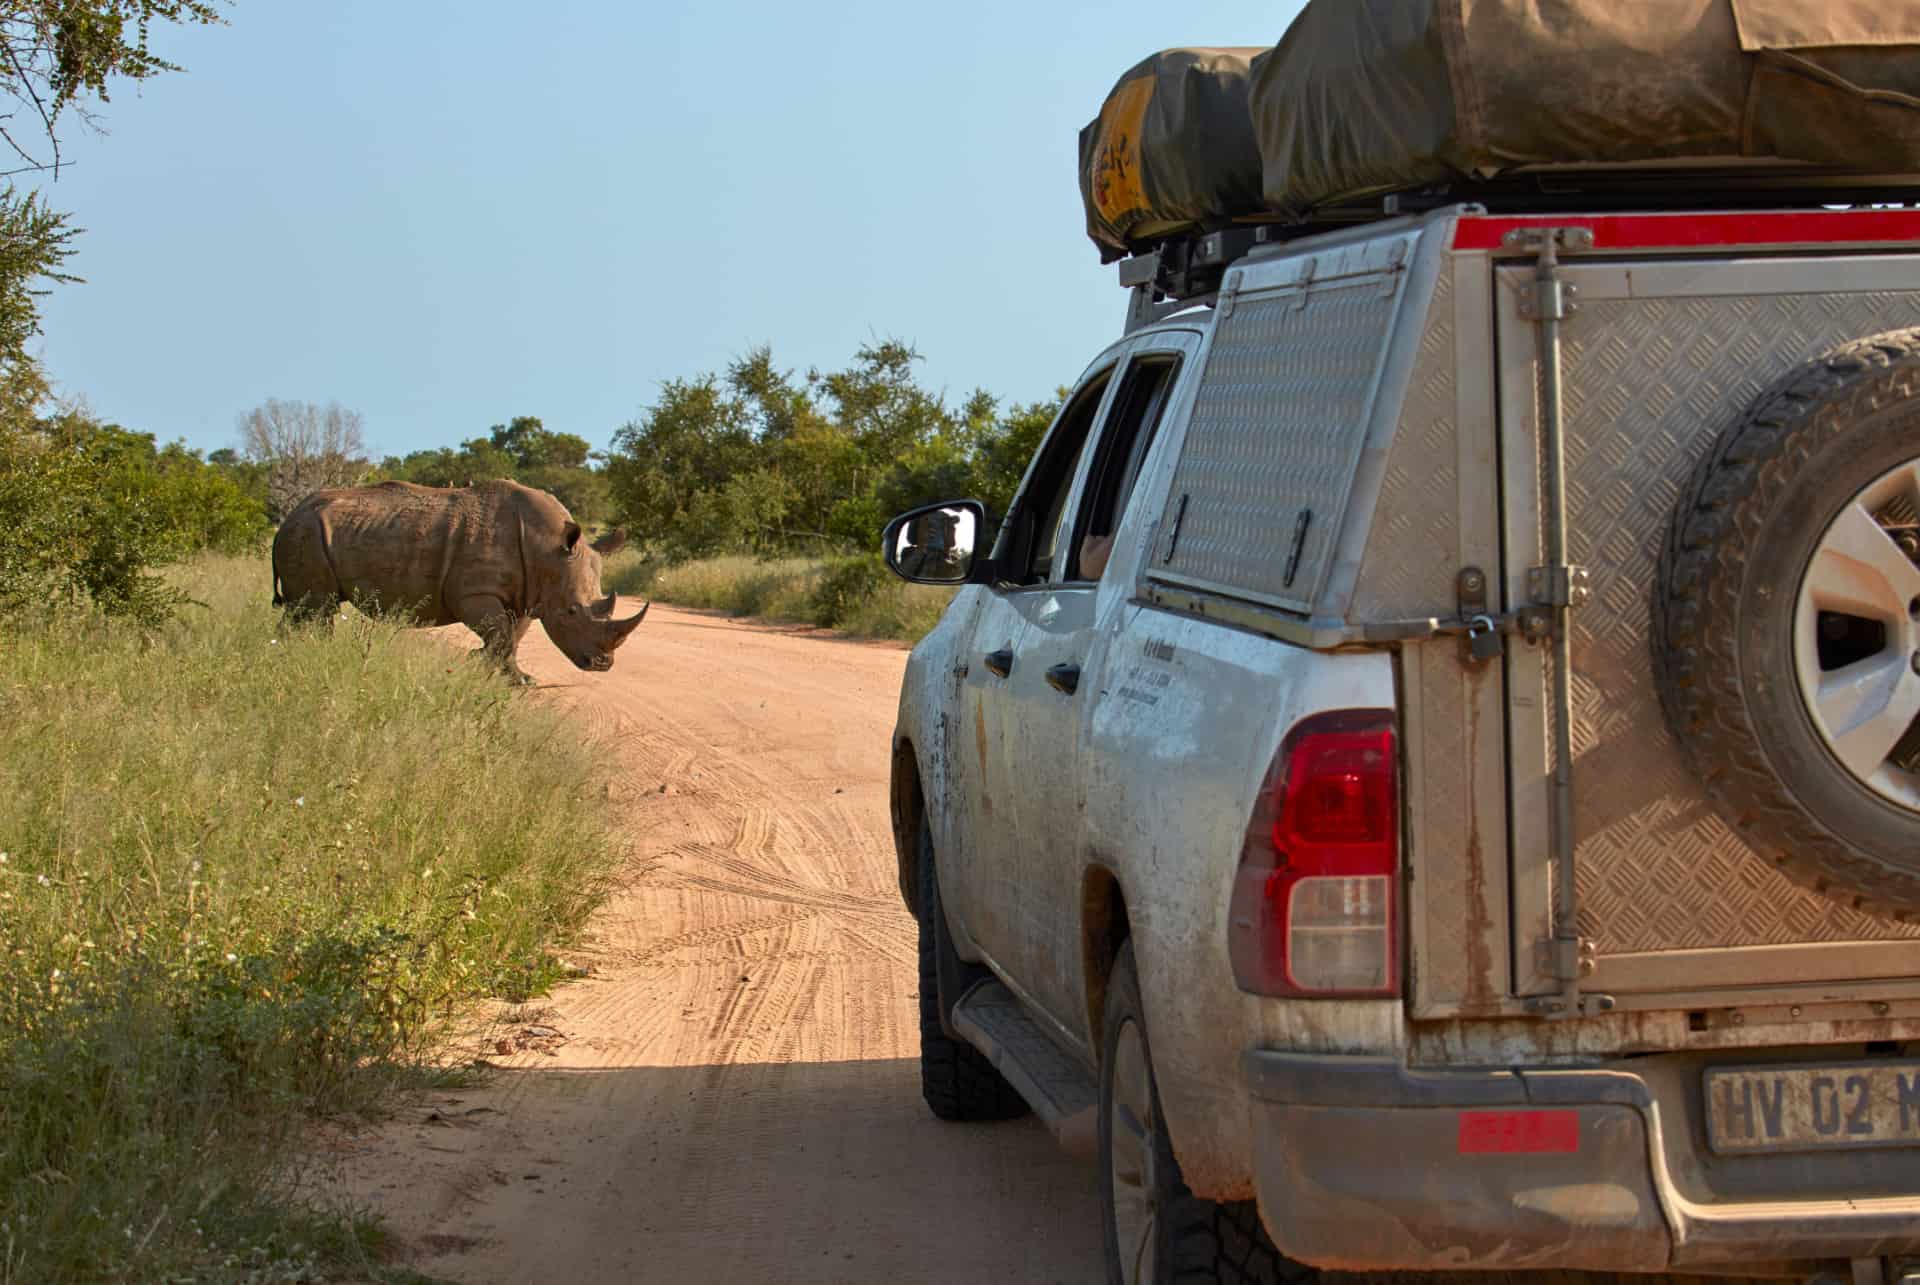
(1013, 550)
(1133, 466)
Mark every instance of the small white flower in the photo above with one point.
(56, 975)
(44, 881)
(300, 802)
(273, 642)
(3, 858)
(232, 958)
(196, 867)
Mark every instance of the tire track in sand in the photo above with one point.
(738, 1097)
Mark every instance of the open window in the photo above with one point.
(1035, 538)
(1120, 452)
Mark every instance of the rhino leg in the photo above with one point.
(500, 632)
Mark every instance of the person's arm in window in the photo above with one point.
(1094, 552)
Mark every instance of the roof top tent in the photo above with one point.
(1367, 109)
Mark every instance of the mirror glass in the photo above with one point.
(936, 546)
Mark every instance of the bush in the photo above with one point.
(89, 511)
(69, 537)
(855, 594)
(244, 878)
(845, 584)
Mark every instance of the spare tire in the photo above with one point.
(1786, 623)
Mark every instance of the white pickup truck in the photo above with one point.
(1428, 772)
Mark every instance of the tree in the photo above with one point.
(60, 57)
(304, 447)
(533, 445)
(755, 460)
(87, 510)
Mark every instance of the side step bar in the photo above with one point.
(1059, 1089)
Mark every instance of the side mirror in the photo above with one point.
(935, 544)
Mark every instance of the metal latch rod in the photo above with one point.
(1550, 310)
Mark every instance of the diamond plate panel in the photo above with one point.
(1649, 385)
(1413, 549)
(1277, 430)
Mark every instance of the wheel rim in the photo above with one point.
(1130, 1156)
(1857, 636)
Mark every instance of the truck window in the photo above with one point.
(1035, 527)
(1121, 450)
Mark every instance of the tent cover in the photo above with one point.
(1363, 97)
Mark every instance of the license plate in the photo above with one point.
(1814, 1107)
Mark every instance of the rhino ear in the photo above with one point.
(612, 542)
(571, 535)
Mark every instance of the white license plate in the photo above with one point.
(1813, 1107)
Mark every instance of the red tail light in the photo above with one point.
(1315, 903)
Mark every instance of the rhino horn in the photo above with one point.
(602, 608)
(617, 630)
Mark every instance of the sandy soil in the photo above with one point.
(732, 1095)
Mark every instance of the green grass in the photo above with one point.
(246, 879)
(855, 595)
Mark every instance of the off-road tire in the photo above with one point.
(1199, 1242)
(1723, 617)
(956, 1079)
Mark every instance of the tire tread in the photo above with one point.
(1731, 494)
(957, 1080)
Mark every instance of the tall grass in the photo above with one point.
(856, 595)
(243, 877)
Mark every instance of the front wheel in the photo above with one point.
(1157, 1231)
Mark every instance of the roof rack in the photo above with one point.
(1185, 271)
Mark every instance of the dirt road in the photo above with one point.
(732, 1095)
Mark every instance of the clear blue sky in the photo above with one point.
(444, 215)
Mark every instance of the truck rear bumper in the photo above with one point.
(1361, 1163)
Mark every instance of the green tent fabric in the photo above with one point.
(1369, 96)
(1172, 149)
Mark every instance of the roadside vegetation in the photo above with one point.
(761, 492)
(245, 879)
(854, 594)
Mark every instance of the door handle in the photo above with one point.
(1064, 678)
(999, 663)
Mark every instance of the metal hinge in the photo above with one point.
(1567, 585)
(1575, 957)
(1309, 268)
(1548, 298)
(1552, 300)
(1396, 264)
(1534, 240)
(1229, 289)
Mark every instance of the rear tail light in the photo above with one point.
(1315, 905)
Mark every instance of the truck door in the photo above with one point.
(1059, 655)
(1670, 901)
(989, 758)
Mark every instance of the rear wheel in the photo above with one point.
(956, 1079)
(1157, 1231)
(1787, 623)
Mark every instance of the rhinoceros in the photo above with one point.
(493, 557)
